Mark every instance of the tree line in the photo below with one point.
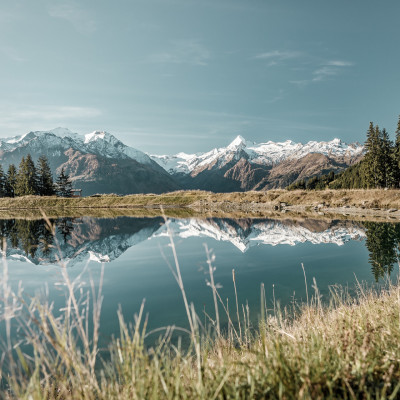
(31, 179)
(34, 236)
(380, 167)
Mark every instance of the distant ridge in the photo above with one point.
(99, 162)
(244, 165)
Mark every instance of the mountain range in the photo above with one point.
(100, 163)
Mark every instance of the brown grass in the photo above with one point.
(188, 203)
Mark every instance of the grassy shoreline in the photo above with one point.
(357, 202)
(369, 199)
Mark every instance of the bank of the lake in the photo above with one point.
(356, 202)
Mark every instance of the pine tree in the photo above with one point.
(374, 160)
(2, 183)
(11, 180)
(64, 185)
(45, 178)
(26, 178)
(386, 160)
(396, 157)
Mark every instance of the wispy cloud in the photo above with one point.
(11, 53)
(18, 119)
(56, 112)
(324, 71)
(81, 20)
(278, 97)
(329, 69)
(183, 52)
(278, 55)
(340, 63)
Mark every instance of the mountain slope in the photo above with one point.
(248, 166)
(97, 174)
(294, 169)
(97, 162)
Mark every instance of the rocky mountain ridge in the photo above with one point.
(98, 162)
(243, 165)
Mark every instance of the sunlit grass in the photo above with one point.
(368, 199)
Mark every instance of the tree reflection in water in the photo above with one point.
(383, 240)
(33, 236)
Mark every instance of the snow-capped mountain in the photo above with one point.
(97, 162)
(266, 154)
(243, 165)
(105, 239)
(98, 142)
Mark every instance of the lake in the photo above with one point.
(137, 261)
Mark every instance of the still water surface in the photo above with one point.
(135, 254)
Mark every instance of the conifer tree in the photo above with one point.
(64, 185)
(26, 178)
(386, 160)
(374, 160)
(2, 182)
(45, 178)
(396, 157)
(11, 180)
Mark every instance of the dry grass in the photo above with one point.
(347, 350)
(369, 199)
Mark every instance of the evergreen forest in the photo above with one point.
(380, 167)
(31, 179)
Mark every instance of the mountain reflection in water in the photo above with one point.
(105, 239)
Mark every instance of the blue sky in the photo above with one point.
(188, 75)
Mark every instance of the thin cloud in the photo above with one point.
(75, 15)
(340, 63)
(330, 68)
(183, 52)
(11, 53)
(278, 55)
(325, 71)
(20, 119)
(278, 97)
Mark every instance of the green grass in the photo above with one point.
(347, 349)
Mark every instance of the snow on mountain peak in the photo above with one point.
(267, 153)
(97, 142)
(239, 141)
(62, 132)
(95, 135)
